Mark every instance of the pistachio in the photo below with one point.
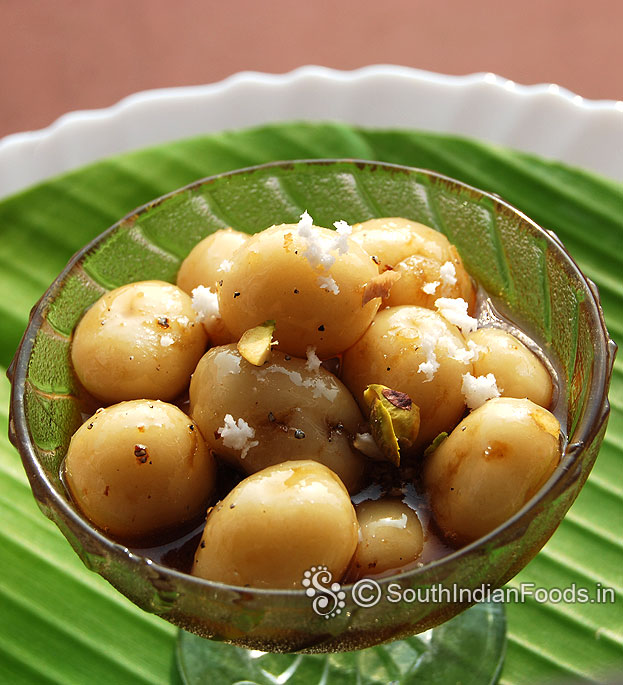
(255, 344)
(394, 420)
(435, 443)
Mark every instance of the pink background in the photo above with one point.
(61, 55)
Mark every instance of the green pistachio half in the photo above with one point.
(394, 420)
(255, 344)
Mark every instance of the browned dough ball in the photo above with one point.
(391, 352)
(272, 278)
(291, 412)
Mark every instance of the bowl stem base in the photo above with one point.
(468, 649)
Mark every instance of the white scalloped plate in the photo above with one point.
(543, 119)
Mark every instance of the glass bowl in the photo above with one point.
(525, 270)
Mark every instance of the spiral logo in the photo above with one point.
(366, 593)
(328, 597)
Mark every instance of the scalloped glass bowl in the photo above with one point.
(526, 271)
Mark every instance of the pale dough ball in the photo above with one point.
(393, 239)
(139, 341)
(391, 537)
(491, 464)
(204, 266)
(277, 524)
(139, 468)
(517, 370)
(209, 259)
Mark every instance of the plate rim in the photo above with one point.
(29, 148)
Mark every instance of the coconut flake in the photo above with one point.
(318, 248)
(343, 231)
(429, 368)
(237, 435)
(321, 386)
(305, 225)
(226, 362)
(205, 303)
(454, 310)
(313, 361)
(225, 265)
(430, 365)
(478, 389)
(318, 245)
(328, 283)
(447, 272)
(466, 355)
(167, 340)
(475, 349)
(429, 288)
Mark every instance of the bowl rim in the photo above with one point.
(590, 422)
